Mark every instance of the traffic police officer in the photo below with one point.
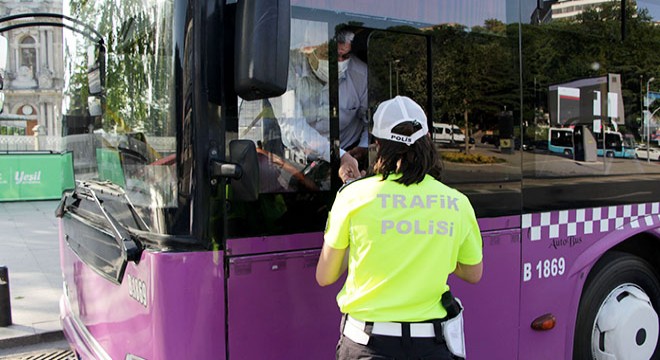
(400, 233)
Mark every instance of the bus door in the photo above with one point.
(273, 245)
(273, 242)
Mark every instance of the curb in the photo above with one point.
(32, 339)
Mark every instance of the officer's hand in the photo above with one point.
(348, 168)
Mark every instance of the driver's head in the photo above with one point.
(344, 45)
(318, 56)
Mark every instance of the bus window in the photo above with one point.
(125, 138)
(603, 105)
(293, 140)
(397, 66)
(292, 131)
(471, 72)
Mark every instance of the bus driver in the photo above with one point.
(308, 127)
(400, 234)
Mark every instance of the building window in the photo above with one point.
(27, 65)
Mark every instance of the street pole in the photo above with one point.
(641, 96)
(5, 299)
(396, 62)
(648, 121)
(390, 79)
(397, 79)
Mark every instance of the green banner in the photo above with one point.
(35, 176)
(110, 166)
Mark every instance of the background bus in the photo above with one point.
(615, 145)
(207, 249)
(567, 142)
(560, 141)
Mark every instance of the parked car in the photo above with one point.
(447, 134)
(652, 153)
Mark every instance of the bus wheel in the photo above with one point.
(617, 317)
(568, 152)
(610, 154)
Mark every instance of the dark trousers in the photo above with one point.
(392, 347)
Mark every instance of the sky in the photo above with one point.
(653, 6)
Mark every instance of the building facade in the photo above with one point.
(549, 10)
(33, 78)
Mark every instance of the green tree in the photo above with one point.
(136, 91)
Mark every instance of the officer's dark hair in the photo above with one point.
(417, 160)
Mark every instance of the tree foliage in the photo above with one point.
(137, 37)
(478, 70)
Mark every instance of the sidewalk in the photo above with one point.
(29, 249)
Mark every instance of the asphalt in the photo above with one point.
(29, 250)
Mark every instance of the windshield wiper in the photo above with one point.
(90, 190)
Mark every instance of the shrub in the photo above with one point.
(459, 157)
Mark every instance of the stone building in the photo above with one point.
(33, 79)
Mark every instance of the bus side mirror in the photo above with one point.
(3, 66)
(262, 48)
(95, 79)
(95, 68)
(244, 154)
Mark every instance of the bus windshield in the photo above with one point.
(120, 125)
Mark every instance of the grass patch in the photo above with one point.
(460, 157)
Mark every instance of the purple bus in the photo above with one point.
(197, 219)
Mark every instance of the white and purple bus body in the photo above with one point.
(272, 305)
(193, 234)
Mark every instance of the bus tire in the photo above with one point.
(618, 312)
(568, 152)
(610, 154)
